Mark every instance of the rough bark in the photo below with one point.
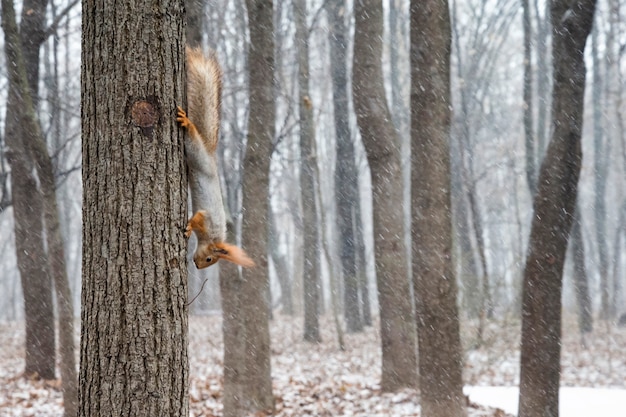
(382, 145)
(345, 166)
(554, 206)
(254, 295)
(133, 359)
(311, 255)
(28, 203)
(433, 273)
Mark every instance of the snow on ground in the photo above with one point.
(573, 401)
(320, 380)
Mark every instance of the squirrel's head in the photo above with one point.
(209, 253)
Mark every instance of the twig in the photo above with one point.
(199, 292)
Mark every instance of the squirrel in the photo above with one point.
(204, 90)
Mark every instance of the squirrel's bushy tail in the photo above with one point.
(204, 94)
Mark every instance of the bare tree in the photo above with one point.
(529, 139)
(255, 289)
(345, 165)
(311, 253)
(22, 131)
(581, 281)
(554, 206)
(543, 98)
(600, 163)
(231, 285)
(134, 359)
(433, 273)
(399, 367)
(475, 65)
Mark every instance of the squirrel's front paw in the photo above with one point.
(188, 231)
(182, 117)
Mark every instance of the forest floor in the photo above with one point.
(321, 380)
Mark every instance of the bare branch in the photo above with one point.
(57, 21)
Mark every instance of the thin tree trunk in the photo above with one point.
(581, 282)
(461, 197)
(28, 202)
(554, 206)
(614, 77)
(361, 264)
(231, 285)
(600, 163)
(231, 282)
(56, 260)
(486, 302)
(255, 305)
(55, 244)
(326, 239)
(311, 255)
(399, 350)
(433, 272)
(280, 266)
(399, 110)
(529, 137)
(134, 359)
(543, 80)
(345, 166)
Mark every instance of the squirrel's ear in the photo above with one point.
(234, 254)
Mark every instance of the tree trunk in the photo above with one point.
(326, 239)
(581, 282)
(311, 253)
(433, 273)
(554, 206)
(399, 367)
(543, 79)
(345, 166)
(37, 148)
(255, 289)
(281, 267)
(134, 359)
(28, 203)
(231, 286)
(398, 68)
(36, 145)
(529, 137)
(600, 163)
(361, 264)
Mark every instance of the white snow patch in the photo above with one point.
(573, 401)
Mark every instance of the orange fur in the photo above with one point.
(202, 122)
(234, 254)
(208, 254)
(196, 224)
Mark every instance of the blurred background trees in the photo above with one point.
(319, 243)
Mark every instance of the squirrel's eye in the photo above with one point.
(209, 259)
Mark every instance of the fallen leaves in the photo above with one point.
(321, 380)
